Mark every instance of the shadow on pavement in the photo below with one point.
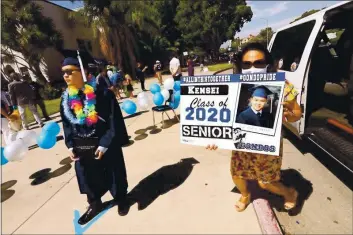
(136, 114)
(160, 182)
(332, 165)
(131, 142)
(7, 193)
(44, 175)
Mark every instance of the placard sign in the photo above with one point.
(240, 112)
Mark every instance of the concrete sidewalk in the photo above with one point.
(41, 193)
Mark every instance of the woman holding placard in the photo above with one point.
(266, 169)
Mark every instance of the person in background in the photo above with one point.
(91, 79)
(174, 67)
(158, 70)
(128, 88)
(6, 117)
(265, 169)
(102, 80)
(23, 96)
(38, 100)
(190, 67)
(201, 66)
(140, 75)
(294, 65)
(116, 81)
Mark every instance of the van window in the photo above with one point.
(334, 35)
(289, 45)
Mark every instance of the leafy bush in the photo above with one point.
(49, 92)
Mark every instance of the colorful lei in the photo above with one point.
(85, 114)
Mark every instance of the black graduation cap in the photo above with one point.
(260, 91)
(85, 57)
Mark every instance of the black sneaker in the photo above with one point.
(91, 212)
(123, 207)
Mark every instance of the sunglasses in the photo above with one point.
(69, 71)
(259, 64)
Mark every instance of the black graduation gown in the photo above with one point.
(250, 118)
(96, 177)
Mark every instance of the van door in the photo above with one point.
(293, 46)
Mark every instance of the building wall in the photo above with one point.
(51, 63)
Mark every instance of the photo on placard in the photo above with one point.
(258, 106)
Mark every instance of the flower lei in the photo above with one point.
(85, 114)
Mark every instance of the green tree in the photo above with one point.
(305, 14)
(207, 24)
(236, 44)
(264, 36)
(24, 29)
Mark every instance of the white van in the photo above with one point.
(316, 55)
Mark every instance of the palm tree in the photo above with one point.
(116, 23)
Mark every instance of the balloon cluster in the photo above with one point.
(18, 148)
(160, 96)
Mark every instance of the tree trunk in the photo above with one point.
(105, 45)
(118, 41)
(130, 51)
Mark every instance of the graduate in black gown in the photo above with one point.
(94, 142)
(255, 115)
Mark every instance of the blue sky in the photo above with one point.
(69, 4)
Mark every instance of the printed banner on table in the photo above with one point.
(240, 112)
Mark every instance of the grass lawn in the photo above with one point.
(52, 106)
(218, 67)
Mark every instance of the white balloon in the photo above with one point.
(141, 95)
(169, 84)
(143, 104)
(165, 94)
(28, 137)
(16, 151)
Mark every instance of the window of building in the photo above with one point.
(89, 45)
(81, 44)
(289, 45)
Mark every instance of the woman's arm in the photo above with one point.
(4, 113)
(292, 111)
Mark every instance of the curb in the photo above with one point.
(266, 217)
(220, 71)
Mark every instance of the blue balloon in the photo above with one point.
(158, 99)
(177, 96)
(46, 140)
(52, 127)
(154, 88)
(174, 104)
(129, 107)
(176, 86)
(3, 159)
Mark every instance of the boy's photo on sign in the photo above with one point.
(258, 105)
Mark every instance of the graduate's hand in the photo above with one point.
(212, 147)
(72, 156)
(99, 154)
